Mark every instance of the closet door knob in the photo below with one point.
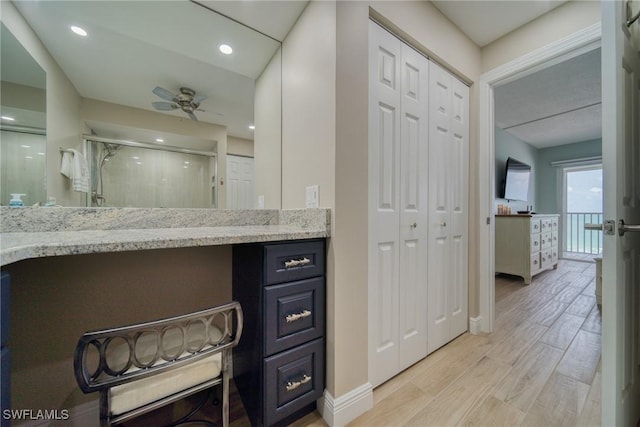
(414, 225)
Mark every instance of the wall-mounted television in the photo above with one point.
(516, 180)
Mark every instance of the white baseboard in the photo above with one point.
(475, 325)
(339, 412)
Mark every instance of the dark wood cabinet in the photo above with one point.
(5, 355)
(279, 363)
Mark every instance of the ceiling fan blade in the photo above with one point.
(192, 116)
(198, 99)
(164, 94)
(164, 106)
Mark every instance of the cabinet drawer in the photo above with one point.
(535, 242)
(545, 258)
(294, 314)
(554, 239)
(293, 261)
(535, 261)
(293, 380)
(535, 226)
(554, 224)
(545, 240)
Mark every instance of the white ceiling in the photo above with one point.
(485, 21)
(133, 47)
(557, 105)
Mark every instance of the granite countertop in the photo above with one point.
(131, 229)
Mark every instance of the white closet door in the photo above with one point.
(413, 203)
(448, 175)
(397, 211)
(459, 216)
(384, 212)
(239, 182)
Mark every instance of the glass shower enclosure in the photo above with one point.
(138, 174)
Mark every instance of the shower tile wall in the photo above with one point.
(140, 177)
(22, 167)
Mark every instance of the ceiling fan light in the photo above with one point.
(226, 49)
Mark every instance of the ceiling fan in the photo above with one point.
(186, 100)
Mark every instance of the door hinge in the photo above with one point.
(609, 227)
(488, 220)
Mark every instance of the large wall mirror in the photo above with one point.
(164, 110)
(22, 123)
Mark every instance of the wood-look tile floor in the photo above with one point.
(540, 366)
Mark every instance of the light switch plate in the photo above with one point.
(313, 196)
(261, 201)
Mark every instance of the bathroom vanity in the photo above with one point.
(75, 266)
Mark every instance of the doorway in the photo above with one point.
(555, 53)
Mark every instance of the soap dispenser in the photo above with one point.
(16, 200)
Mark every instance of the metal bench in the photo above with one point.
(141, 367)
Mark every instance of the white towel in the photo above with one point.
(74, 166)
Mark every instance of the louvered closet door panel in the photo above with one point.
(413, 202)
(439, 246)
(384, 198)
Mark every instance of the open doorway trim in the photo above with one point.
(571, 46)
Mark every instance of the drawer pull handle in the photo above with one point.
(292, 385)
(297, 316)
(297, 262)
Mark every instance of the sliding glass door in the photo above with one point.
(582, 204)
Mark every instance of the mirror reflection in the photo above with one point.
(23, 124)
(155, 78)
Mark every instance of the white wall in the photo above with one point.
(267, 136)
(308, 106)
(239, 146)
(554, 25)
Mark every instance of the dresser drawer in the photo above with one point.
(546, 257)
(293, 380)
(535, 261)
(535, 226)
(535, 242)
(294, 314)
(545, 240)
(293, 261)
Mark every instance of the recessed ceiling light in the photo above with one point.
(226, 49)
(79, 31)
(25, 146)
(159, 140)
(10, 119)
(252, 127)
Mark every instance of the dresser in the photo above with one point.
(526, 244)
(278, 366)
